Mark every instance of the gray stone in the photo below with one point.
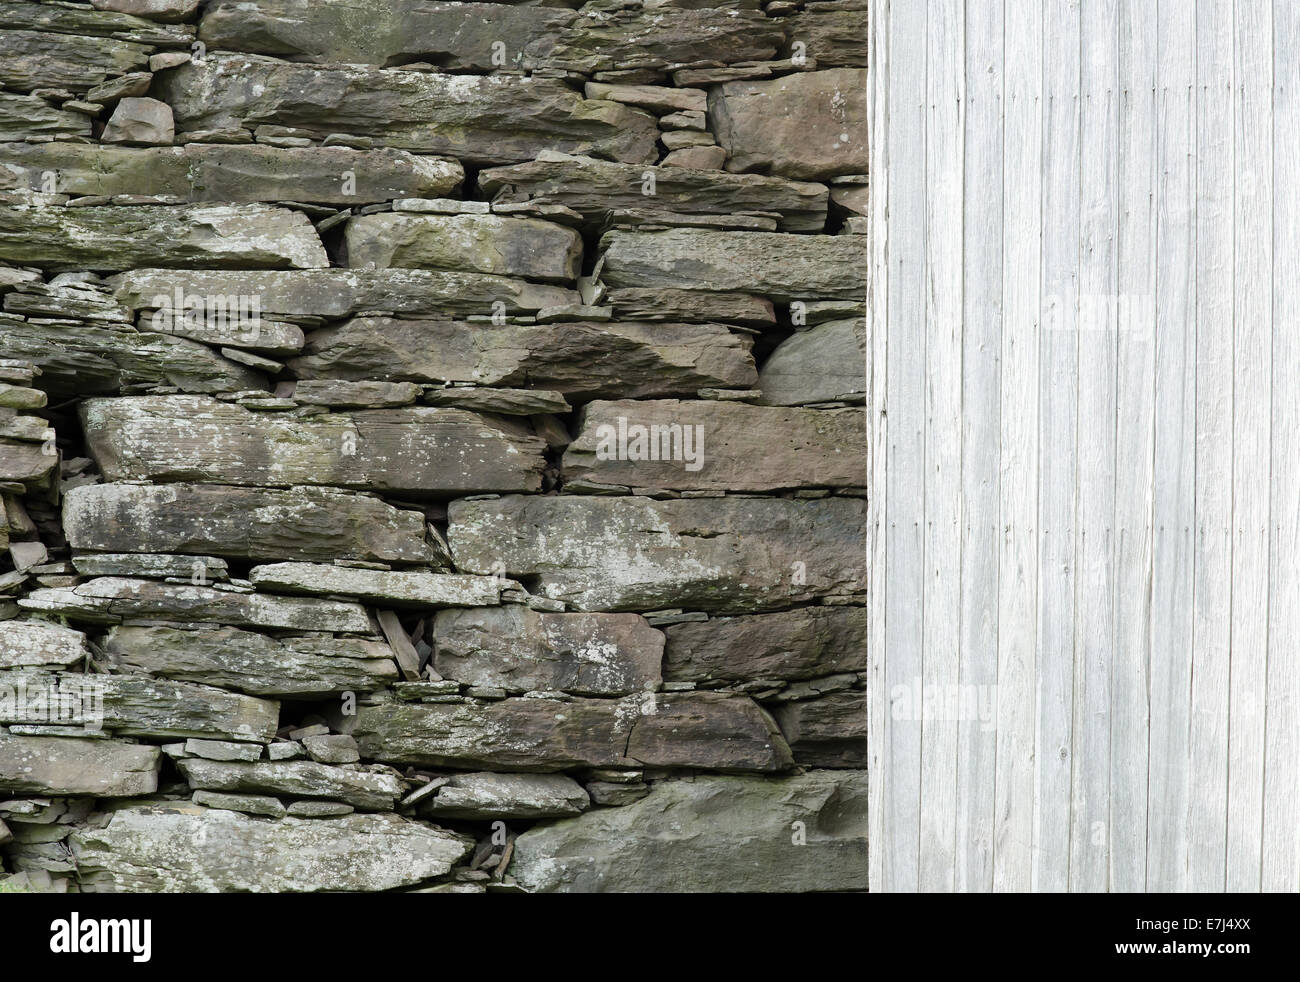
(521, 650)
(670, 304)
(833, 38)
(354, 395)
(55, 765)
(417, 589)
(791, 644)
(222, 750)
(336, 293)
(167, 11)
(707, 834)
(146, 122)
(826, 732)
(126, 86)
(104, 22)
(136, 705)
(232, 330)
(479, 119)
(635, 553)
(246, 661)
(823, 364)
(36, 60)
(460, 36)
(696, 729)
(243, 523)
(656, 98)
(732, 447)
(580, 359)
(485, 796)
(40, 644)
(209, 172)
(113, 237)
(84, 359)
(331, 748)
(23, 117)
(696, 158)
(614, 794)
(509, 402)
(593, 187)
(185, 848)
(249, 804)
(808, 126)
(110, 599)
(423, 449)
(194, 568)
(775, 264)
(295, 778)
(319, 809)
(522, 247)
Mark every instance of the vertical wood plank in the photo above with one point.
(1134, 444)
(1057, 437)
(878, 845)
(945, 98)
(981, 432)
(1281, 833)
(1252, 372)
(1174, 504)
(1208, 737)
(904, 581)
(1094, 536)
(1018, 561)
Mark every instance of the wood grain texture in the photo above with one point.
(1085, 411)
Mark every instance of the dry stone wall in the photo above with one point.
(432, 445)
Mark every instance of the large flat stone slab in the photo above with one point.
(578, 358)
(415, 448)
(180, 847)
(63, 765)
(136, 705)
(461, 36)
(634, 553)
(115, 237)
(49, 59)
(253, 663)
(709, 730)
(524, 247)
(111, 599)
(295, 779)
(717, 446)
(521, 650)
(808, 126)
(593, 187)
(242, 523)
(776, 264)
(213, 172)
(707, 834)
(803, 643)
(411, 589)
(479, 119)
(668, 730)
(344, 292)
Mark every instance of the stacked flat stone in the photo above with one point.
(317, 327)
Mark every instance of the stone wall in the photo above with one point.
(432, 445)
